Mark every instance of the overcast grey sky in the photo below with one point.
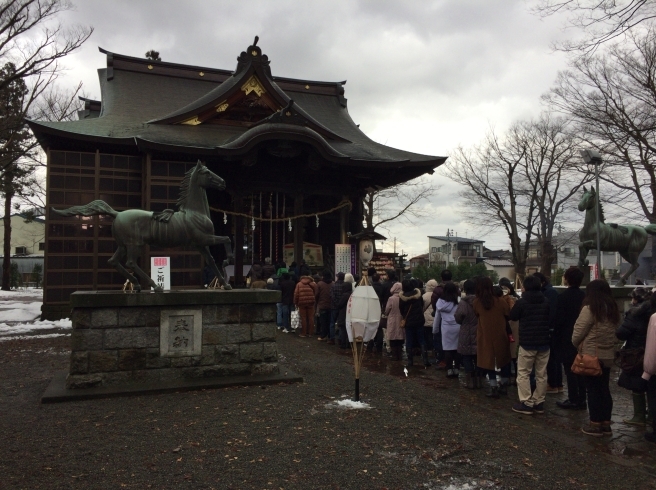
(423, 76)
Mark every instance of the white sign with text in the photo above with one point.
(160, 271)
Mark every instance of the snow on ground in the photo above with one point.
(27, 292)
(347, 404)
(22, 328)
(42, 336)
(19, 312)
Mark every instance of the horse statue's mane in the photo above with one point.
(184, 189)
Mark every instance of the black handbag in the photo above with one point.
(631, 360)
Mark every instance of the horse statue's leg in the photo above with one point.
(115, 262)
(133, 253)
(205, 252)
(631, 258)
(584, 248)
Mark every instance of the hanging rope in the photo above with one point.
(343, 204)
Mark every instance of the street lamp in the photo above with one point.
(593, 157)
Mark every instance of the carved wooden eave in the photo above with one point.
(248, 98)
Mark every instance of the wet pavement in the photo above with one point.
(422, 431)
(627, 442)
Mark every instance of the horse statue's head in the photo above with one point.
(588, 200)
(205, 178)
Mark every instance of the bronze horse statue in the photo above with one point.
(190, 225)
(628, 240)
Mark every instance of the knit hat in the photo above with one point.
(269, 281)
(348, 278)
(431, 284)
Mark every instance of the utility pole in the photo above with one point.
(448, 247)
(394, 244)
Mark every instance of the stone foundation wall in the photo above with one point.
(120, 342)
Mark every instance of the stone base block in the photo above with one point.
(126, 338)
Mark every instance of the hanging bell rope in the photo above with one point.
(343, 204)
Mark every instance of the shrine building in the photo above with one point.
(285, 148)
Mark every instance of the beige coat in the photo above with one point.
(595, 339)
(428, 308)
(394, 330)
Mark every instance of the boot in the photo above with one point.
(469, 381)
(639, 409)
(503, 388)
(424, 356)
(492, 392)
(398, 352)
(410, 355)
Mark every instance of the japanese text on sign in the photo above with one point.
(160, 271)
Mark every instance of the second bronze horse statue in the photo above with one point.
(628, 240)
(190, 225)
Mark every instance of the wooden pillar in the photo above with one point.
(299, 224)
(239, 241)
(343, 223)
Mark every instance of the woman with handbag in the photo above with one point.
(594, 338)
(633, 331)
(395, 334)
(411, 306)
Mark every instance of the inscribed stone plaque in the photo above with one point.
(180, 333)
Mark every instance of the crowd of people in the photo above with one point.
(498, 336)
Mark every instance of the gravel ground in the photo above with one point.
(422, 432)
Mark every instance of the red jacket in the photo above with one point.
(305, 292)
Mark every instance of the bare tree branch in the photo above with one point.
(601, 21)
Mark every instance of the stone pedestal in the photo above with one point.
(177, 335)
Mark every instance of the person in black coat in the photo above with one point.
(532, 311)
(377, 342)
(347, 290)
(633, 331)
(411, 306)
(568, 307)
(286, 286)
(554, 371)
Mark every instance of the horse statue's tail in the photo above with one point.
(92, 209)
(651, 229)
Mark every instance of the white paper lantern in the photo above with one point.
(362, 314)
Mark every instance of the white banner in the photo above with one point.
(343, 258)
(160, 271)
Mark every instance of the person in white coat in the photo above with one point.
(444, 321)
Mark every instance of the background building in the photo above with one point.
(454, 249)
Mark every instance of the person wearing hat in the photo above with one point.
(633, 331)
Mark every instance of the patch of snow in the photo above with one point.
(349, 405)
(458, 484)
(20, 312)
(14, 293)
(22, 328)
(29, 337)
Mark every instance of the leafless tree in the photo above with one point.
(600, 20)
(521, 182)
(612, 100)
(400, 203)
(32, 39)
